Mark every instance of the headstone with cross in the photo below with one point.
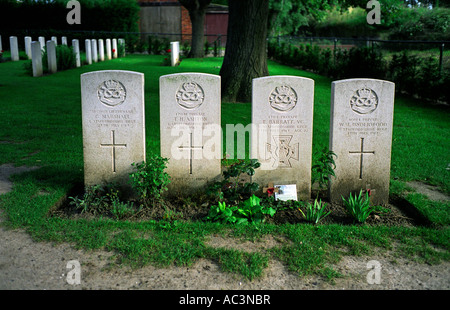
(190, 131)
(361, 137)
(285, 103)
(113, 125)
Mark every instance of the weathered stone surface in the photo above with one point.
(113, 125)
(361, 136)
(190, 130)
(282, 118)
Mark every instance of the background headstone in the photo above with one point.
(51, 57)
(361, 137)
(27, 47)
(108, 49)
(190, 132)
(36, 58)
(42, 42)
(286, 103)
(76, 51)
(101, 50)
(113, 125)
(14, 47)
(87, 47)
(114, 48)
(174, 53)
(94, 50)
(64, 40)
(55, 39)
(121, 44)
(1, 46)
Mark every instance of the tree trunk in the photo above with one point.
(245, 55)
(197, 12)
(198, 32)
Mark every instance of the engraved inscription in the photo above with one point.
(191, 149)
(364, 101)
(190, 95)
(282, 151)
(283, 98)
(112, 93)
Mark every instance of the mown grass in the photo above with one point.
(41, 126)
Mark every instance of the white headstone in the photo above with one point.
(174, 53)
(108, 49)
(55, 39)
(114, 48)
(94, 50)
(113, 125)
(36, 58)
(361, 137)
(87, 47)
(101, 50)
(282, 116)
(28, 47)
(76, 51)
(1, 46)
(14, 47)
(64, 40)
(190, 130)
(42, 42)
(51, 56)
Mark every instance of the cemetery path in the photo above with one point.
(29, 265)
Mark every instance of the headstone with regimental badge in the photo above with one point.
(282, 116)
(113, 125)
(362, 113)
(190, 130)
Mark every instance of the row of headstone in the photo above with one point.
(94, 49)
(281, 131)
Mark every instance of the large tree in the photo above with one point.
(197, 12)
(245, 55)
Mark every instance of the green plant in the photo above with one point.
(315, 212)
(359, 206)
(323, 168)
(230, 188)
(222, 213)
(251, 210)
(149, 180)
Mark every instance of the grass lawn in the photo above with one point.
(41, 126)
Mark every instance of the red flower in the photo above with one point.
(270, 191)
(369, 192)
(168, 50)
(114, 50)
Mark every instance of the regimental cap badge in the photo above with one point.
(112, 93)
(283, 98)
(364, 101)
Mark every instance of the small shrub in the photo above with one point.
(323, 168)
(149, 180)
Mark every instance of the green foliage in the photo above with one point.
(149, 180)
(247, 211)
(359, 206)
(323, 168)
(230, 189)
(315, 212)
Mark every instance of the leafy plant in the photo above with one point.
(315, 212)
(248, 211)
(230, 188)
(323, 168)
(149, 180)
(359, 206)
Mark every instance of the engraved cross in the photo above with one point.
(113, 146)
(191, 149)
(361, 154)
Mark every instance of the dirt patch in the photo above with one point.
(432, 192)
(6, 170)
